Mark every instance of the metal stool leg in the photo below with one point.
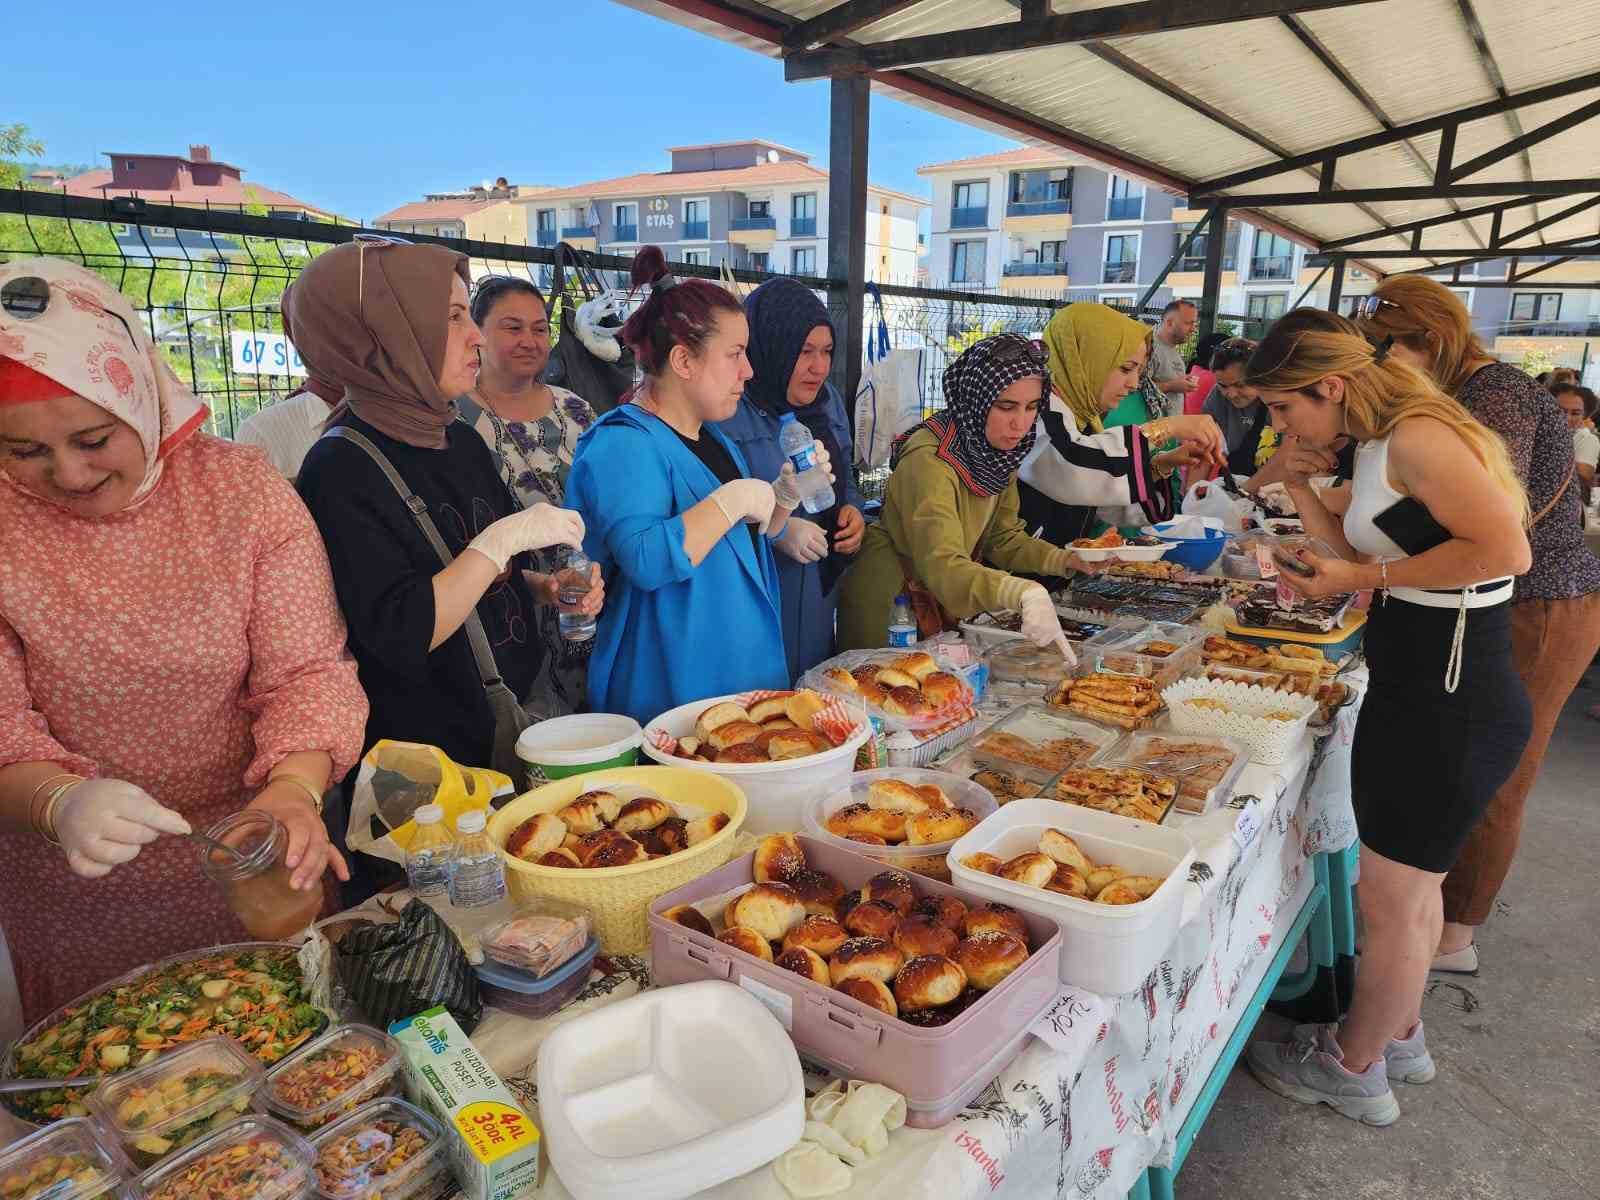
(1141, 1187)
(1159, 1183)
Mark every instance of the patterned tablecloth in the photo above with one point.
(1099, 1093)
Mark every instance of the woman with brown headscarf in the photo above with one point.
(390, 323)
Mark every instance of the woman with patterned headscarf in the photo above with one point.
(171, 650)
(950, 536)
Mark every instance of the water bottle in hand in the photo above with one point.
(431, 853)
(479, 877)
(572, 585)
(795, 440)
(902, 623)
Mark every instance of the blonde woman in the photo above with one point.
(1555, 613)
(1436, 521)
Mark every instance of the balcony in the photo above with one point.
(570, 233)
(1193, 263)
(1035, 268)
(1037, 208)
(802, 227)
(751, 224)
(696, 231)
(1125, 208)
(624, 233)
(1275, 266)
(545, 237)
(1120, 272)
(969, 218)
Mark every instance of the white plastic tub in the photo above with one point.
(927, 859)
(777, 792)
(582, 742)
(668, 1093)
(1106, 948)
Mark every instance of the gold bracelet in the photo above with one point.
(301, 782)
(33, 799)
(1158, 430)
(47, 819)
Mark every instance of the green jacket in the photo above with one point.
(947, 534)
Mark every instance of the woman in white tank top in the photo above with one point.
(1436, 524)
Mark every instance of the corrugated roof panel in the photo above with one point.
(1540, 41)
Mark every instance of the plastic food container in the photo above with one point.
(938, 1069)
(777, 791)
(65, 1161)
(1023, 663)
(1336, 643)
(926, 859)
(386, 1150)
(340, 1071)
(1110, 760)
(187, 1094)
(1037, 743)
(987, 629)
(851, 659)
(668, 1093)
(1206, 768)
(1127, 552)
(1122, 650)
(1246, 717)
(578, 743)
(1106, 948)
(255, 1158)
(532, 996)
(539, 937)
(617, 897)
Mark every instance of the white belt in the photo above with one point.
(1479, 595)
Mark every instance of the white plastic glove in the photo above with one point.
(103, 823)
(804, 541)
(1041, 625)
(787, 485)
(749, 500)
(531, 529)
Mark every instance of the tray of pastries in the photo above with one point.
(907, 690)
(1205, 768)
(1034, 743)
(1059, 865)
(1122, 788)
(1125, 701)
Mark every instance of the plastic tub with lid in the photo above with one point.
(70, 1160)
(341, 1070)
(386, 1150)
(528, 995)
(926, 859)
(576, 744)
(255, 1158)
(668, 1093)
(1022, 664)
(187, 1094)
(1038, 741)
(1106, 948)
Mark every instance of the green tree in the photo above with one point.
(1189, 346)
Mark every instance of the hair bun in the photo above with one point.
(648, 266)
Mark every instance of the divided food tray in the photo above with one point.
(939, 1069)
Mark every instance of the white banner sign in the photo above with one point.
(265, 354)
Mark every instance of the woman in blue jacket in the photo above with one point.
(676, 524)
(791, 352)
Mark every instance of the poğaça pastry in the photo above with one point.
(1061, 866)
(1126, 791)
(899, 813)
(598, 830)
(776, 728)
(911, 685)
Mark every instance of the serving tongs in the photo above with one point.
(11, 1087)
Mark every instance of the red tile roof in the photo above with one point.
(229, 193)
(438, 210)
(1022, 156)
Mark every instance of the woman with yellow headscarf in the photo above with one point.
(1095, 356)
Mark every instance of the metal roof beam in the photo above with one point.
(1399, 195)
(1472, 254)
(840, 21)
(1570, 210)
(1505, 284)
(1491, 68)
(1122, 20)
(1545, 266)
(1519, 145)
(1450, 218)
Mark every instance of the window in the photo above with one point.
(1125, 200)
(625, 222)
(803, 215)
(1122, 258)
(1052, 252)
(1123, 300)
(805, 260)
(969, 262)
(1536, 306)
(1273, 257)
(760, 260)
(969, 205)
(1052, 188)
(1267, 306)
(696, 224)
(760, 208)
(544, 226)
(697, 258)
(131, 165)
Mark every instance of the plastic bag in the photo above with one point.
(396, 779)
(889, 397)
(1207, 499)
(399, 970)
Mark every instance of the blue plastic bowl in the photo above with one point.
(1195, 554)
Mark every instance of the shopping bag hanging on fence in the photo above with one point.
(889, 400)
(587, 357)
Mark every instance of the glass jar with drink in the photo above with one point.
(254, 876)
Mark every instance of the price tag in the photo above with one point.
(1248, 825)
(1072, 1022)
(779, 1004)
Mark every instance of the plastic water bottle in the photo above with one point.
(572, 585)
(431, 854)
(479, 878)
(795, 440)
(902, 623)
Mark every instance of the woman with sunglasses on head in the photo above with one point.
(443, 631)
(1437, 523)
(950, 536)
(680, 527)
(1555, 614)
(171, 650)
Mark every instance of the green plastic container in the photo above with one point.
(578, 744)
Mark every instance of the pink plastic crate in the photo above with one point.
(937, 1070)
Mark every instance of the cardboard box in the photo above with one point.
(495, 1150)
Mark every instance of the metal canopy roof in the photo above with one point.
(1213, 102)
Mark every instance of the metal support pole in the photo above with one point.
(1201, 226)
(1310, 287)
(1217, 222)
(1336, 287)
(847, 223)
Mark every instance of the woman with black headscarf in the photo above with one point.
(791, 351)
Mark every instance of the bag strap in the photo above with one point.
(1556, 499)
(881, 342)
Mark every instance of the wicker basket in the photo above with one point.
(619, 897)
(1270, 741)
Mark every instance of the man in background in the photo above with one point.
(1171, 377)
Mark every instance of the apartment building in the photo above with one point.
(487, 212)
(750, 204)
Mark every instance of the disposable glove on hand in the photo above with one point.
(103, 823)
(748, 500)
(804, 541)
(1041, 625)
(531, 529)
(787, 485)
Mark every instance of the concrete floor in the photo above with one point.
(1514, 1113)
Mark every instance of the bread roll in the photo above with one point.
(865, 958)
(997, 916)
(1033, 869)
(687, 746)
(1065, 851)
(918, 935)
(536, 837)
(892, 888)
(1101, 876)
(771, 909)
(703, 828)
(890, 678)
(940, 825)
(1130, 889)
(983, 861)
(866, 839)
(796, 743)
(872, 993)
(947, 910)
(804, 706)
(763, 711)
(668, 837)
(587, 843)
(807, 964)
(775, 724)
(779, 857)
(934, 795)
(822, 934)
(582, 816)
(930, 981)
(716, 716)
(817, 891)
(941, 690)
(644, 813)
(689, 917)
(895, 795)
(1068, 882)
(872, 918)
(842, 679)
(890, 826)
(745, 752)
(989, 957)
(733, 733)
(620, 851)
(873, 693)
(610, 803)
(748, 940)
(918, 664)
(905, 702)
(842, 820)
(866, 672)
(559, 857)
(847, 903)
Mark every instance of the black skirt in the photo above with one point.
(1426, 763)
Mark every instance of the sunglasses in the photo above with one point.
(1367, 308)
(29, 297)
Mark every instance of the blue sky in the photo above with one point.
(361, 106)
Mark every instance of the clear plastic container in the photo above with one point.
(926, 859)
(517, 991)
(1037, 743)
(1157, 793)
(340, 1071)
(187, 1094)
(850, 660)
(540, 937)
(386, 1150)
(257, 881)
(1025, 664)
(255, 1158)
(1135, 647)
(1206, 768)
(69, 1160)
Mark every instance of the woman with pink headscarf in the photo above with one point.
(170, 647)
